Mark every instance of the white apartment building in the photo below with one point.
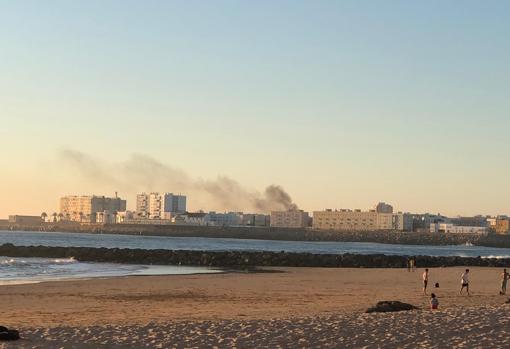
(160, 206)
(289, 219)
(456, 229)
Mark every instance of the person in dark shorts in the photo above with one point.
(464, 280)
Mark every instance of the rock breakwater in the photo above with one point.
(240, 259)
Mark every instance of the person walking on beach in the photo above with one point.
(425, 277)
(504, 279)
(408, 264)
(412, 264)
(434, 302)
(465, 282)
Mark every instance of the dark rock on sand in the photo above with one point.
(8, 335)
(390, 306)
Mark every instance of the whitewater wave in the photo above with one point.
(496, 257)
(40, 261)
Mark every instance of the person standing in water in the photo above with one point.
(425, 277)
(465, 282)
(504, 279)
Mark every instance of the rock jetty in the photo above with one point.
(241, 259)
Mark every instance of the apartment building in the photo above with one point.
(160, 206)
(85, 208)
(289, 219)
(356, 220)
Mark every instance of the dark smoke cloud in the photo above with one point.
(143, 173)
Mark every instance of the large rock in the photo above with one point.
(390, 306)
(8, 335)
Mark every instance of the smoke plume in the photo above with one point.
(142, 173)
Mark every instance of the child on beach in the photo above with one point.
(434, 302)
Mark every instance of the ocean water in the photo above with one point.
(33, 270)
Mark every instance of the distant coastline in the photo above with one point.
(269, 233)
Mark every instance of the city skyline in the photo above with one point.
(342, 104)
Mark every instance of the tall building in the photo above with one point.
(289, 219)
(159, 206)
(85, 208)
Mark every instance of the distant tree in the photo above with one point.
(44, 215)
(54, 215)
(81, 216)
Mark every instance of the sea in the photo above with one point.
(30, 270)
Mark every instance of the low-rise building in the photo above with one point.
(191, 218)
(502, 226)
(124, 217)
(226, 219)
(475, 221)
(403, 221)
(28, 220)
(106, 217)
(289, 219)
(422, 222)
(457, 229)
(255, 220)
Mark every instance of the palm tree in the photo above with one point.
(54, 215)
(44, 215)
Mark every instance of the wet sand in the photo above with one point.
(298, 307)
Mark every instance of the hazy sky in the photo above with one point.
(343, 103)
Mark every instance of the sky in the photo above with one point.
(341, 103)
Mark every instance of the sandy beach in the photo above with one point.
(286, 307)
